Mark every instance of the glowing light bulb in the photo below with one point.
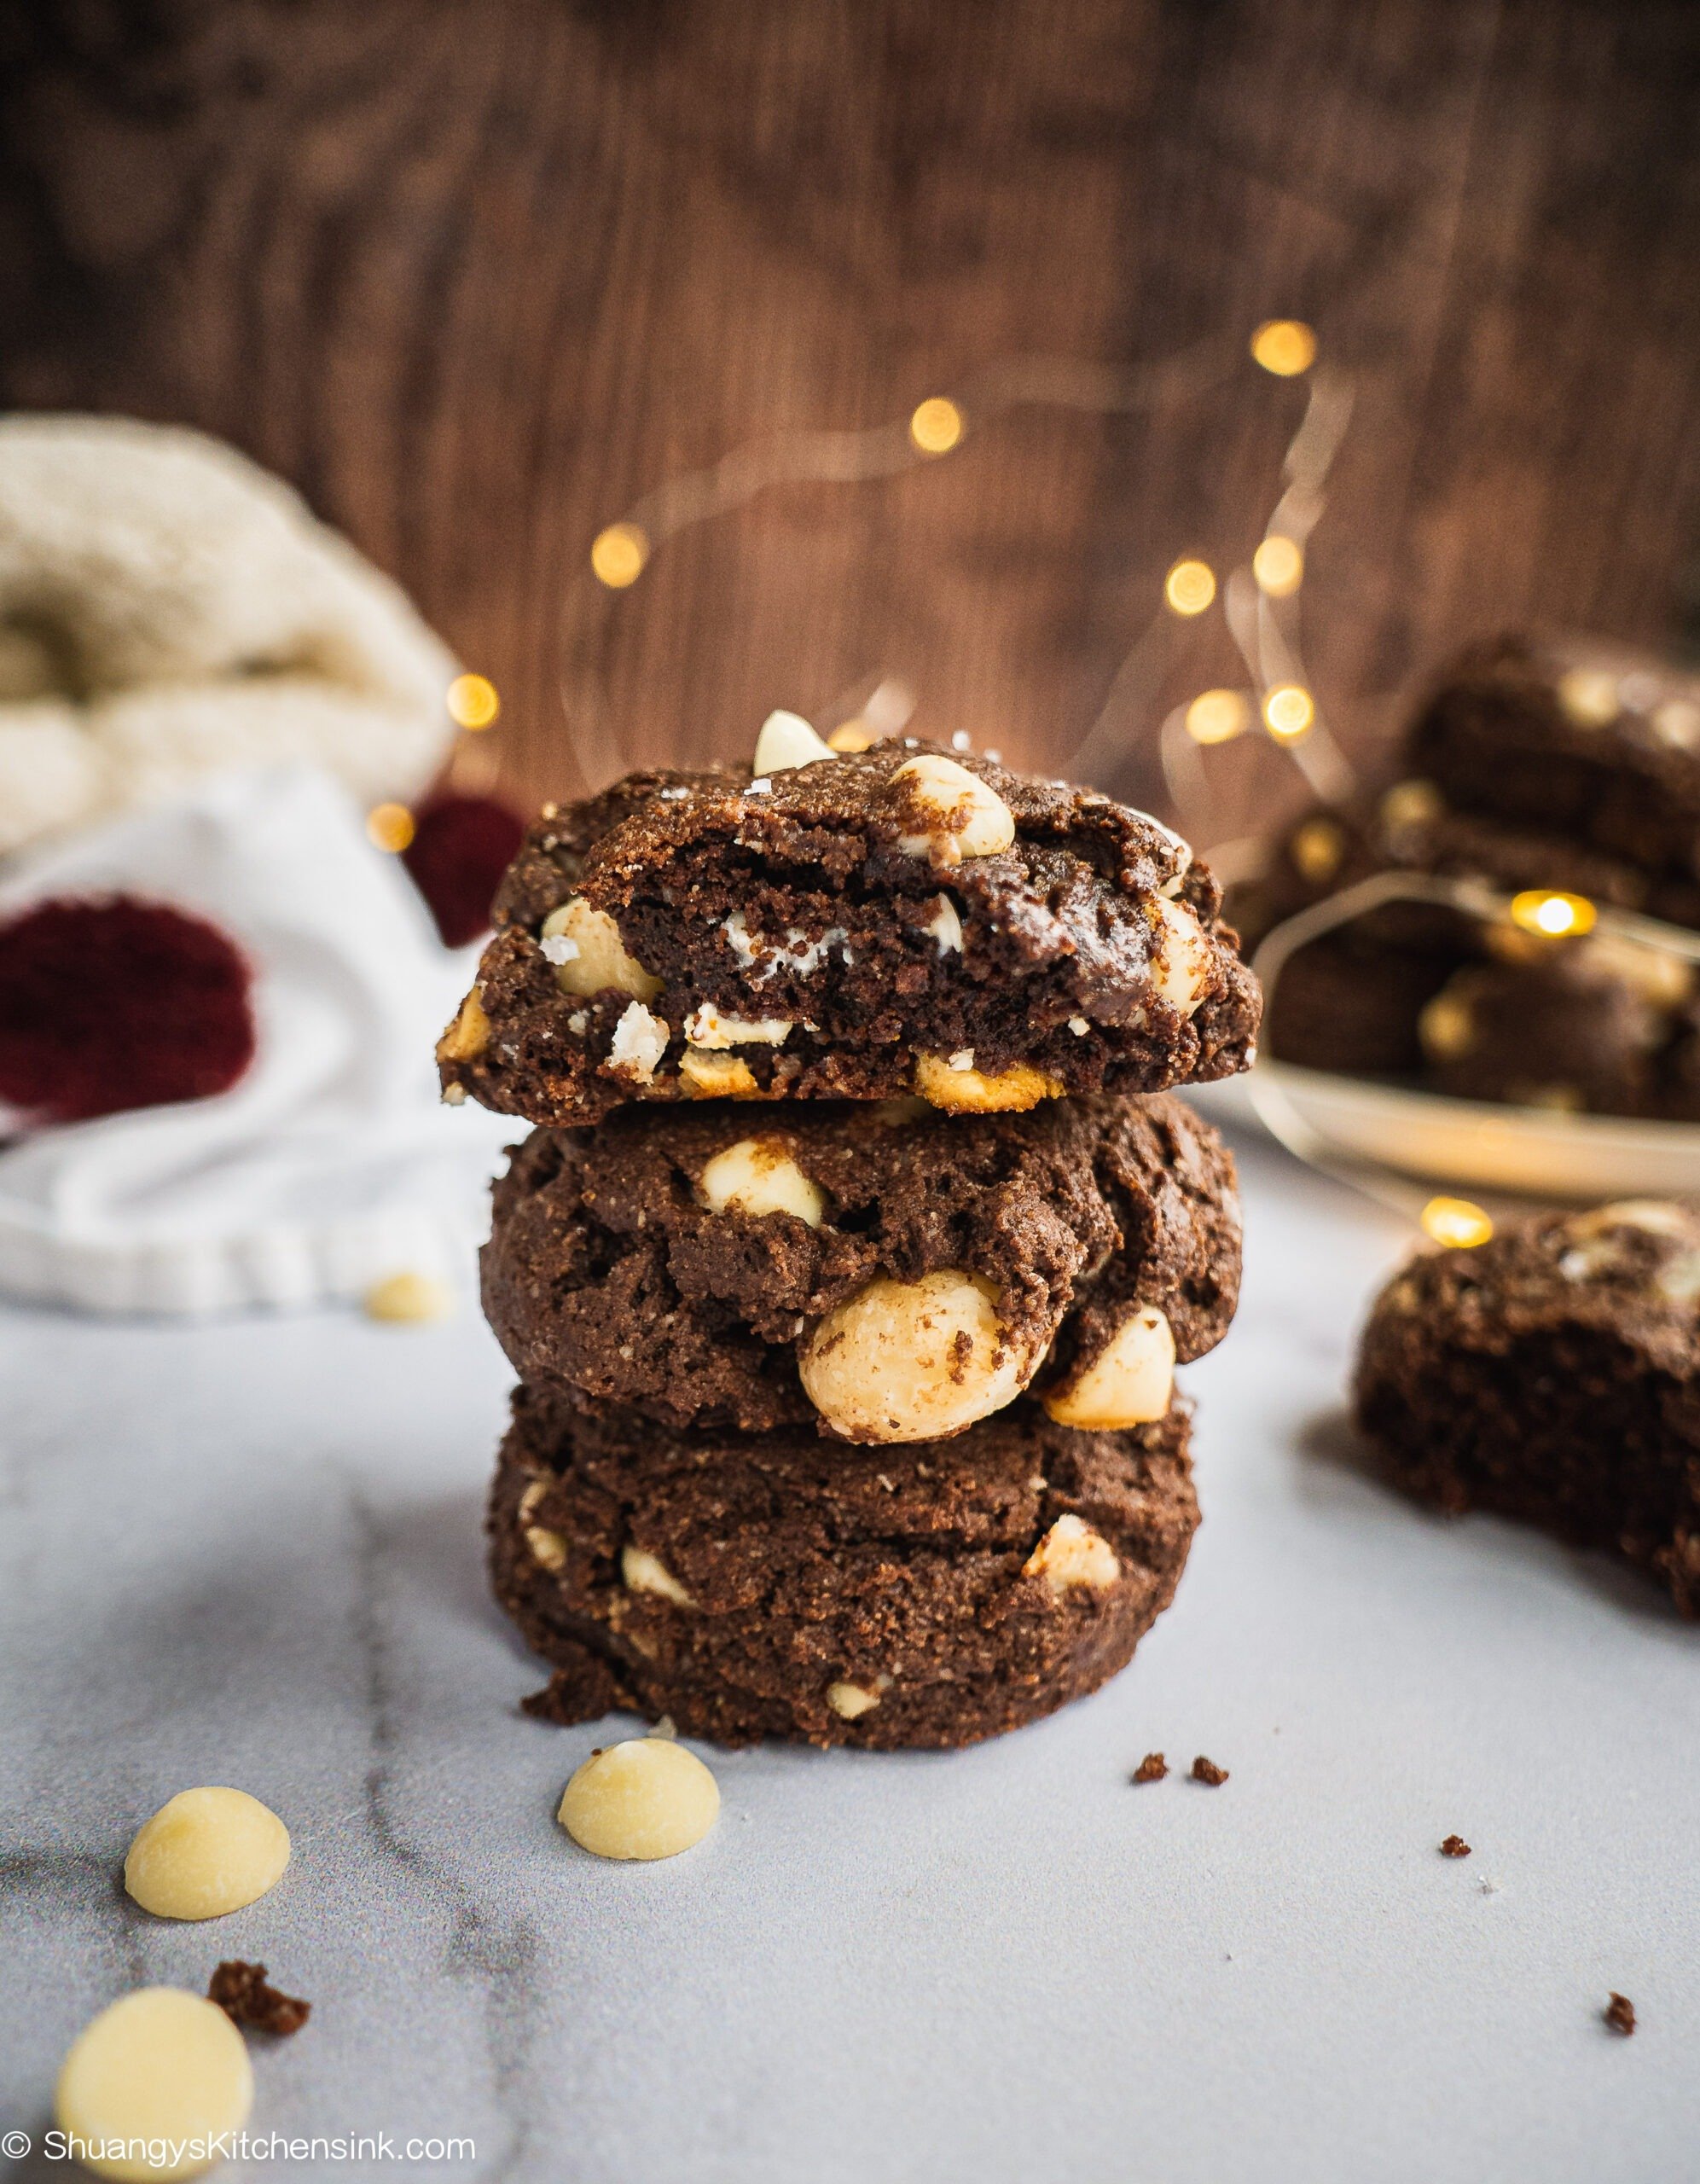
(389, 826)
(1458, 1222)
(1279, 566)
(472, 701)
(937, 425)
(1284, 346)
(1288, 711)
(1218, 715)
(1539, 909)
(1189, 587)
(619, 555)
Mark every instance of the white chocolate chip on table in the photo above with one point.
(409, 1299)
(156, 2064)
(758, 1177)
(1129, 1383)
(954, 814)
(589, 958)
(911, 1361)
(206, 1852)
(647, 1797)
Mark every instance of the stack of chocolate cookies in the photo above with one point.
(1527, 767)
(848, 1263)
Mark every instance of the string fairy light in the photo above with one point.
(389, 826)
(1189, 587)
(1218, 715)
(1552, 914)
(1289, 711)
(936, 425)
(1277, 567)
(473, 702)
(619, 555)
(1458, 1222)
(1284, 346)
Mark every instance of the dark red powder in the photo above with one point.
(461, 846)
(114, 1004)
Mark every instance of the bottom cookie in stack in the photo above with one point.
(782, 1584)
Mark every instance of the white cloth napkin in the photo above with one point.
(331, 1163)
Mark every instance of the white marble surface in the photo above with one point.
(250, 1553)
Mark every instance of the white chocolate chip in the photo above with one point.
(409, 1299)
(1677, 1281)
(644, 1572)
(453, 1095)
(785, 742)
(468, 1035)
(532, 1496)
(852, 1700)
(647, 1797)
(757, 1175)
(1181, 967)
(707, 1027)
(159, 2071)
(588, 957)
(717, 1076)
(1128, 1382)
(578, 1023)
(206, 1852)
(906, 1361)
(640, 1040)
(548, 1549)
(1079, 1026)
(945, 927)
(958, 815)
(951, 1081)
(1071, 1554)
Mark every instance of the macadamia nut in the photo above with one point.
(756, 1176)
(955, 814)
(943, 1081)
(409, 1299)
(206, 1852)
(588, 955)
(647, 1797)
(707, 1027)
(1071, 1554)
(639, 1043)
(1183, 967)
(709, 1075)
(905, 1361)
(787, 741)
(468, 1035)
(1129, 1382)
(159, 2069)
(644, 1572)
(851, 1701)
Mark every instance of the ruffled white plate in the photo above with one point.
(1466, 1141)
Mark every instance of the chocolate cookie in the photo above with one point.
(1560, 1029)
(1553, 1374)
(883, 1274)
(871, 923)
(753, 1586)
(1598, 746)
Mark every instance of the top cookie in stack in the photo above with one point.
(847, 925)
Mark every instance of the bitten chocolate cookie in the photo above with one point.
(1553, 1374)
(884, 1273)
(852, 926)
(762, 1586)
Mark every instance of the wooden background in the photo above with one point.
(477, 274)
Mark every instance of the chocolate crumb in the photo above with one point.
(241, 1991)
(1620, 2014)
(1206, 1770)
(1454, 1847)
(1151, 1768)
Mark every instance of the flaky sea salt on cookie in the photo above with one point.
(858, 926)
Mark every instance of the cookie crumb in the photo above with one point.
(1151, 1768)
(1454, 1847)
(241, 1991)
(1620, 2014)
(1206, 1770)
